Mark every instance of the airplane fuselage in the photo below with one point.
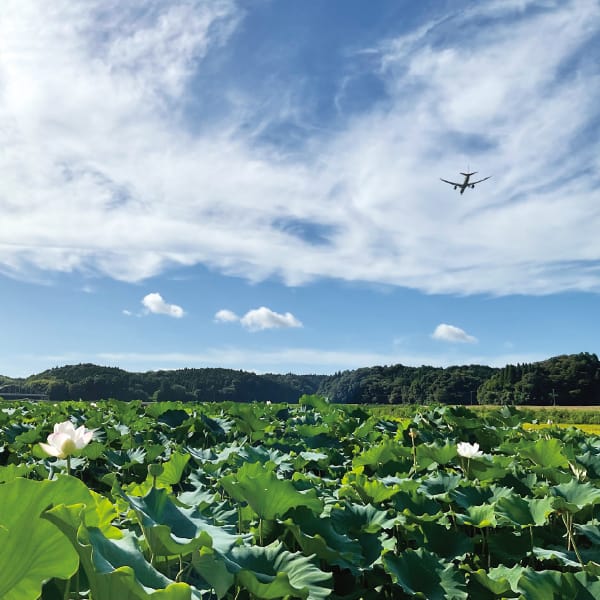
(465, 184)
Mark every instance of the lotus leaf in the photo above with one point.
(422, 572)
(114, 568)
(173, 530)
(269, 496)
(32, 550)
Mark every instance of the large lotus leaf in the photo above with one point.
(360, 487)
(447, 543)
(478, 516)
(271, 572)
(413, 504)
(590, 586)
(468, 494)
(574, 496)
(508, 546)
(422, 572)
(315, 401)
(367, 429)
(210, 460)
(567, 559)
(355, 518)
(438, 486)
(544, 453)
(173, 418)
(545, 585)
(266, 455)
(591, 531)
(428, 454)
(319, 459)
(114, 568)
(199, 497)
(316, 535)
(173, 469)
(373, 547)
(173, 530)
(123, 459)
(591, 461)
(212, 567)
(217, 426)
(489, 470)
(524, 512)
(94, 450)
(99, 511)
(269, 496)
(501, 581)
(11, 472)
(380, 455)
(247, 419)
(32, 550)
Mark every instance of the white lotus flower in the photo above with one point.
(66, 439)
(467, 450)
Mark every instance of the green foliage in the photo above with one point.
(31, 549)
(313, 500)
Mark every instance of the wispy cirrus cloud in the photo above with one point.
(259, 319)
(104, 157)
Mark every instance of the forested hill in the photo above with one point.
(572, 379)
(91, 382)
(563, 380)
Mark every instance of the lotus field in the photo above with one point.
(238, 501)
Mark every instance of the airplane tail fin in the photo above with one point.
(469, 174)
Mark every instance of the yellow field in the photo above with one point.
(593, 429)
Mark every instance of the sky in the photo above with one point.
(255, 184)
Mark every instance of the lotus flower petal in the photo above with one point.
(50, 450)
(467, 450)
(65, 439)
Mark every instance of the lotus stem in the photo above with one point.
(531, 538)
(180, 572)
(68, 465)
(67, 589)
(571, 538)
(413, 434)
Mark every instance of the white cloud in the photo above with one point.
(127, 313)
(102, 172)
(226, 316)
(451, 333)
(261, 318)
(154, 303)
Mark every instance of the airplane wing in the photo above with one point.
(451, 182)
(474, 182)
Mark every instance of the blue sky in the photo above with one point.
(255, 184)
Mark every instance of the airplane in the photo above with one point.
(466, 183)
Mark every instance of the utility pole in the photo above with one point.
(553, 396)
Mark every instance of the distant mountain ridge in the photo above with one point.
(572, 379)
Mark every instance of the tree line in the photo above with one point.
(561, 380)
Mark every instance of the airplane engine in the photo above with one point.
(455, 187)
(473, 187)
